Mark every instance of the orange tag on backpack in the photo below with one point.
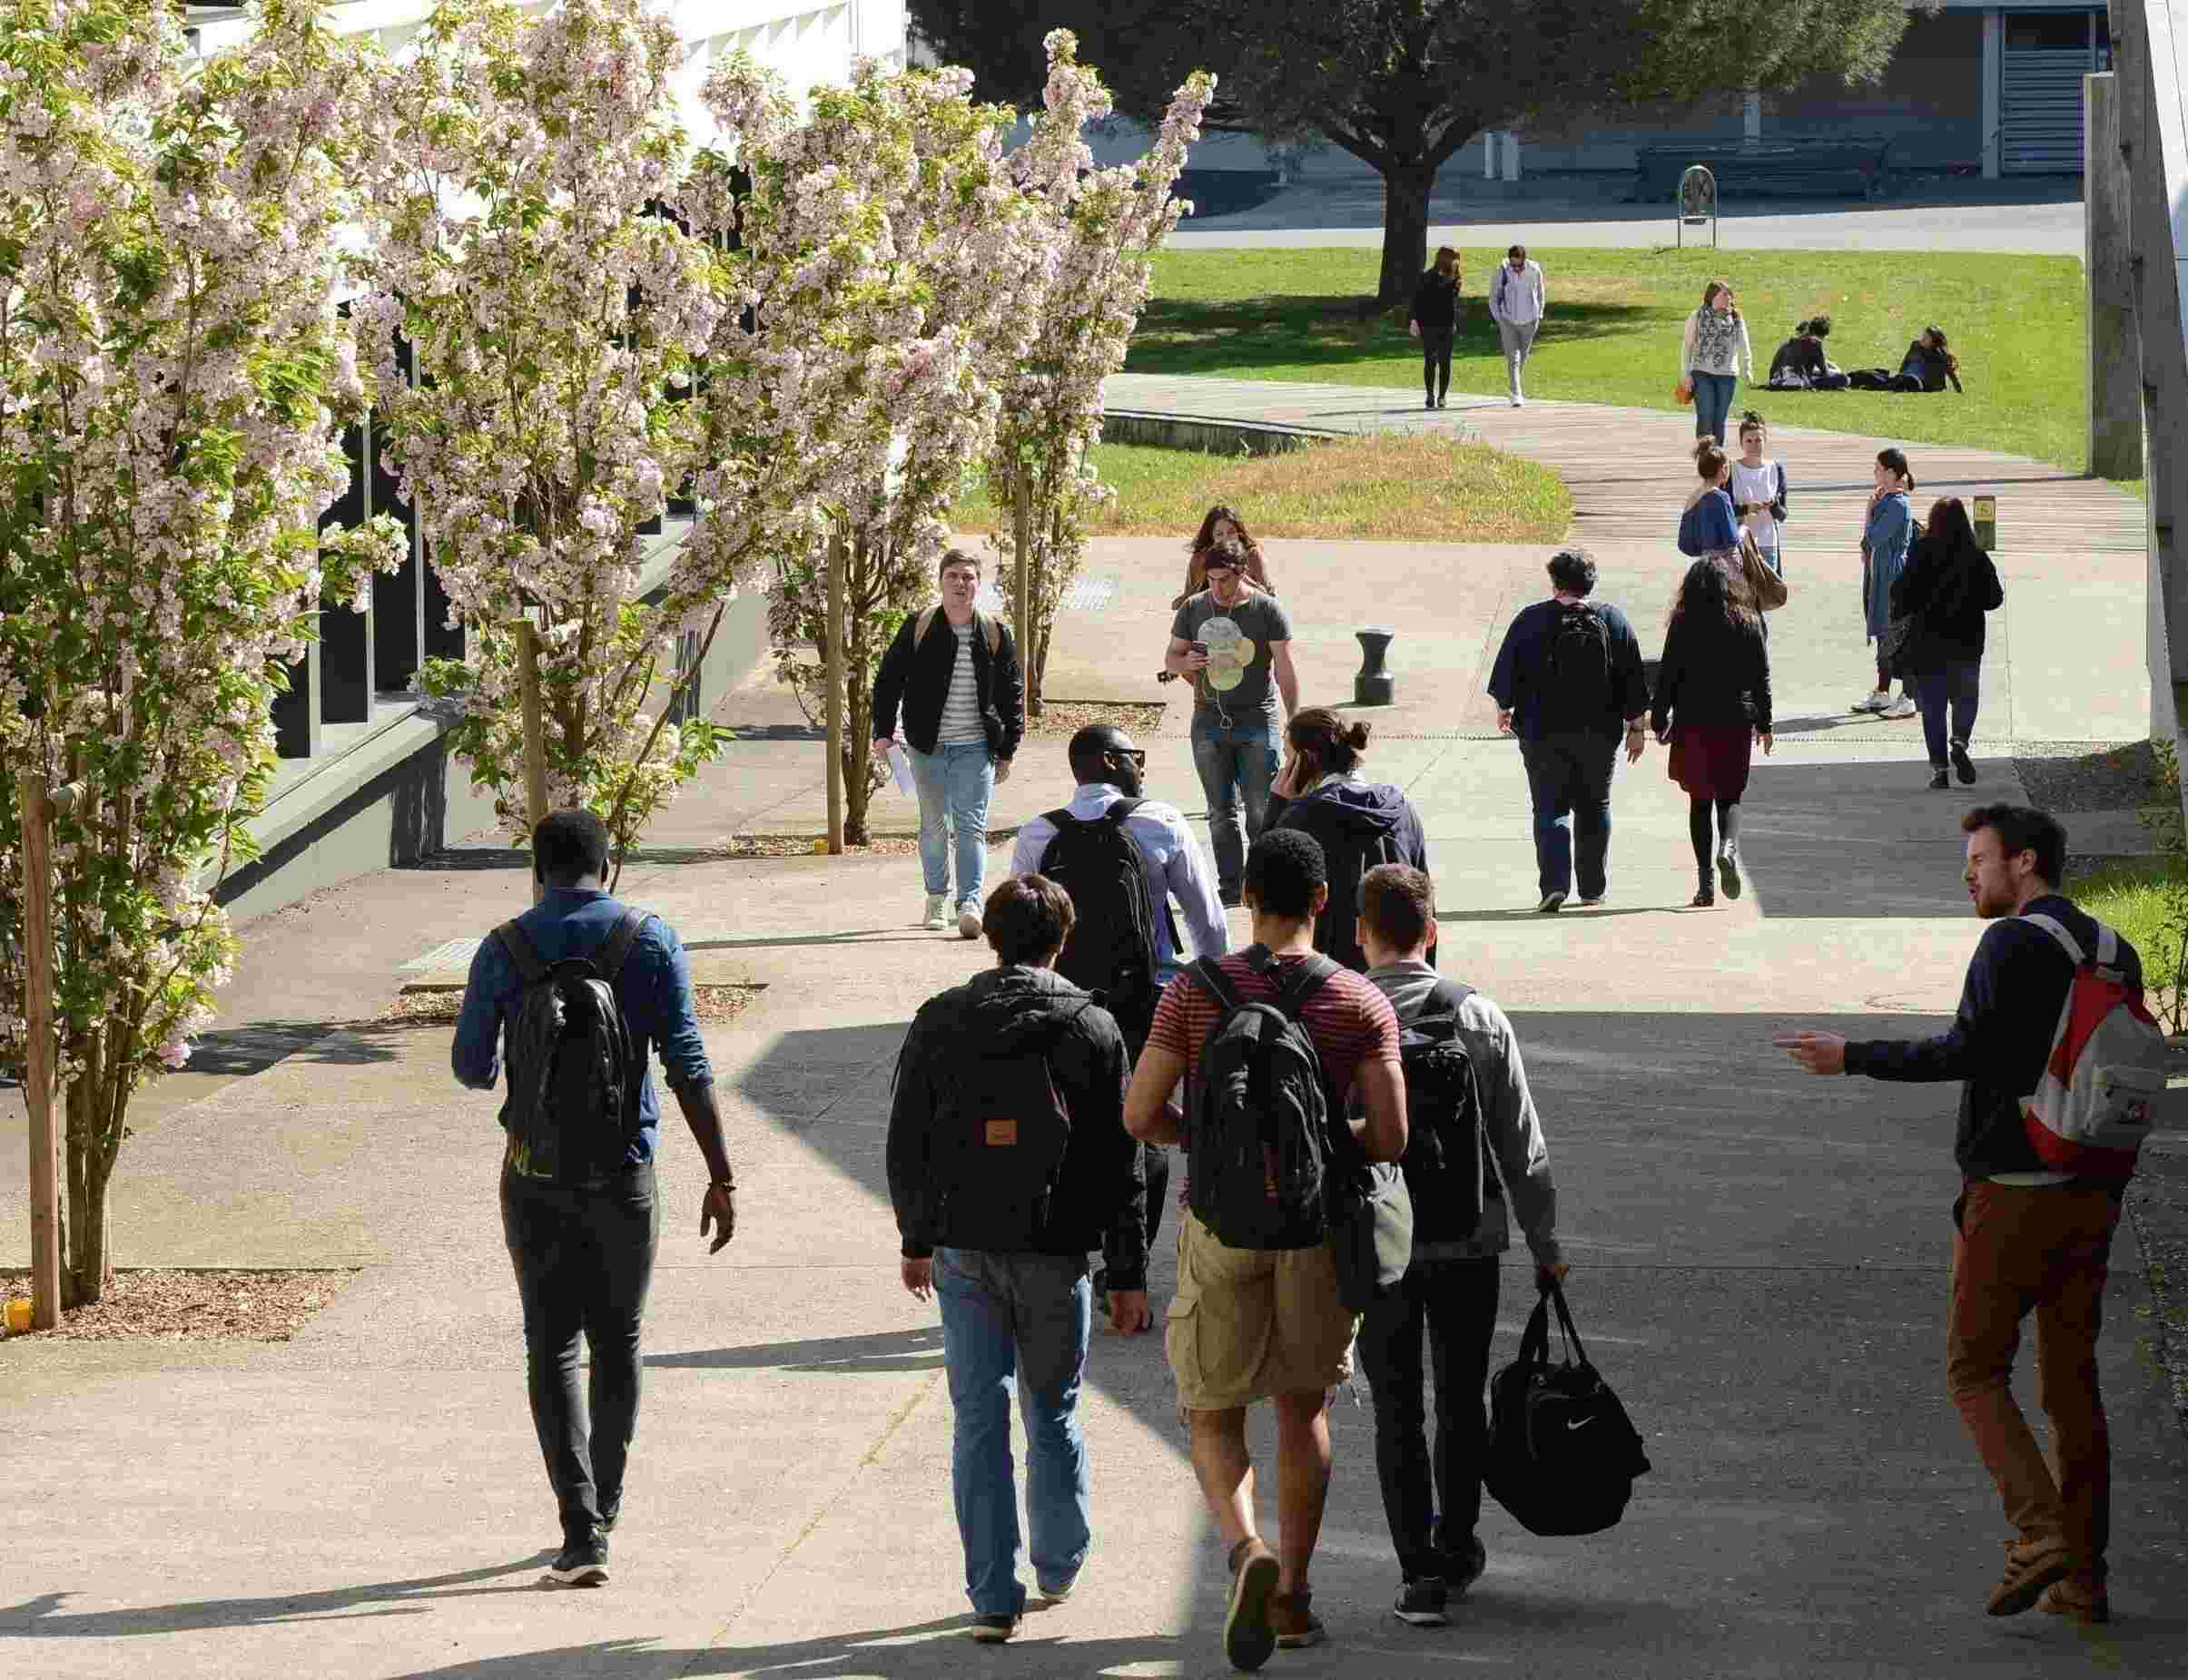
(1002, 1133)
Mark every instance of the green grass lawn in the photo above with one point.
(1395, 488)
(2129, 896)
(1613, 333)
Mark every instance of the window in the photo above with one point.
(2048, 31)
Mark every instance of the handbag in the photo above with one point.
(1893, 642)
(1563, 1454)
(1371, 1237)
(1683, 392)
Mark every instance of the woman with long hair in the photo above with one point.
(1358, 822)
(1221, 526)
(1436, 322)
(1712, 705)
(1887, 532)
(1712, 351)
(1929, 364)
(1947, 587)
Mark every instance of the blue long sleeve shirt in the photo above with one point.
(1519, 681)
(654, 991)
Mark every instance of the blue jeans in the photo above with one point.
(1237, 766)
(1568, 781)
(1957, 687)
(955, 784)
(1712, 402)
(1016, 1321)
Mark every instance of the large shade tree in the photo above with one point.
(1402, 85)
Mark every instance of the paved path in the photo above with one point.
(1761, 1257)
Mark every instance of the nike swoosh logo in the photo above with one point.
(1582, 1424)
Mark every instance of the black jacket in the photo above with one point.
(1932, 367)
(1800, 356)
(918, 678)
(1436, 305)
(1369, 822)
(1946, 592)
(1100, 1200)
(2001, 1038)
(1715, 673)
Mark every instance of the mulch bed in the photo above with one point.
(194, 1306)
(2070, 776)
(1065, 718)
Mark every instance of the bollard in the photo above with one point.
(1984, 516)
(1374, 686)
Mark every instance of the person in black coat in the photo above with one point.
(1947, 587)
(1712, 705)
(1928, 365)
(1436, 322)
(1358, 823)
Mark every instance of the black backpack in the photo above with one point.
(1445, 1172)
(573, 1107)
(1350, 847)
(1579, 696)
(1112, 950)
(1261, 1115)
(1002, 1131)
(1563, 1454)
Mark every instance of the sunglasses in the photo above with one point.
(1137, 754)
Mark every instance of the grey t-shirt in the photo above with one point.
(1237, 680)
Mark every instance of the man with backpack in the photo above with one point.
(1567, 679)
(1008, 1160)
(583, 989)
(2061, 1066)
(1122, 859)
(1474, 1145)
(1272, 1043)
(955, 674)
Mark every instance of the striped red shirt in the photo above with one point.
(1349, 1020)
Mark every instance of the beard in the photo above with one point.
(1129, 780)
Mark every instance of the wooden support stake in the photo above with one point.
(835, 696)
(534, 734)
(37, 811)
(1024, 597)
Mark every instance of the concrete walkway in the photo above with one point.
(1759, 1257)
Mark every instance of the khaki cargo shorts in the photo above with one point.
(1248, 1323)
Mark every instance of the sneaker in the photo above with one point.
(1230, 897)
(1899, 709)
(2031, 1566)
(1421, 1603)
(1704, 899)
(1963, 767)
(1552, 903)
(1247, 1637)
(1430, 403)
(1518, 401)
(993, 1629)
(1939, 780)
(938, 912)
(1874, 702)
(1727, 872)
(1588, 904)
(1293, 1618)
(1462, 1570)
(583, 1564)
(2076, 1601)
(968, 920)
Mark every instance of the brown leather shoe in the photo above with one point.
(1293, 1617)
(2031, 1566)
(2077, 1601)
(1247, 1637)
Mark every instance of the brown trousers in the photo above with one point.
(2044, 1250)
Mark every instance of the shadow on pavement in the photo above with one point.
(45, 1617)
(1867, 839)
(1180, 336)
(885, 1354)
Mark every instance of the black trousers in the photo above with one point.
(1435, 363)
(584, 1259)
(1431, 1500)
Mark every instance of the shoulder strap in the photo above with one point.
(1445, 997)
(1312, 975)
(2058, 930)
(1216, 984)
(618, 947)
(522, 952)
(2108, 948)
(1123, 809)
(922, 624)
(1061, 817)
(992, 629)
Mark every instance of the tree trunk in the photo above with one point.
(858, 731)
(1407, 187)
(86, 1265)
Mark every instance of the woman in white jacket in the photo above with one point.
(1713, 352)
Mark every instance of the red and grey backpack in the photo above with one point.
(2102, 1087)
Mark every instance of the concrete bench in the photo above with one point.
(1842, 165)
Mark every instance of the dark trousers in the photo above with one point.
(1568, 781)
(1956, 688)
(1432, 1502)
(584, 1258)
(1435, 364)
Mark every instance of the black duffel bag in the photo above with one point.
(1563, 1454)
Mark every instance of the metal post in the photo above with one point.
(535, 732)
(835, 696)
(1025, 586)
(38, 815)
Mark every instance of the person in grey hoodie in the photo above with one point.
(1451, 1288)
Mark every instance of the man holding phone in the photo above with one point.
(1236, 643)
